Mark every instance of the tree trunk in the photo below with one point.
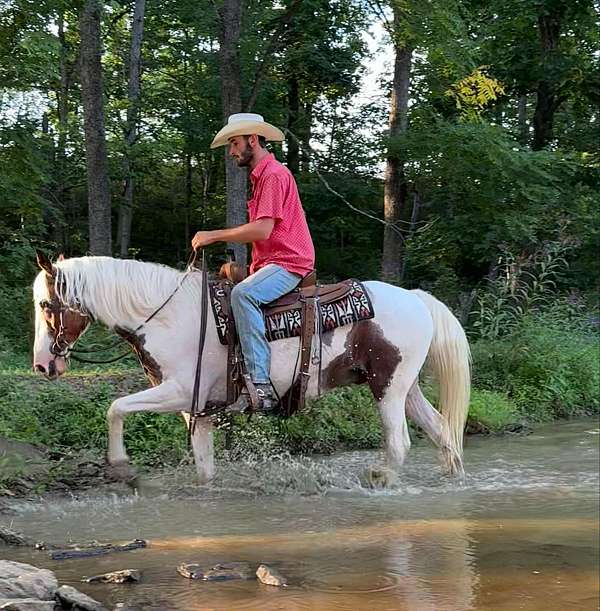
(414, 217)
(523, 125)
(189, 193)
(230, 16)
(306, 136)
(395, 183)
(62, 102)
(93, 120)
(133, 97)
(293, 152)
(549, 24)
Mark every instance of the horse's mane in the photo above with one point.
(111, 289)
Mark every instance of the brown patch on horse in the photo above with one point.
(368, 358)
(150, 366)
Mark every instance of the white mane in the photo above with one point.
(114, 289)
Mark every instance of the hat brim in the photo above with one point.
(247, 128)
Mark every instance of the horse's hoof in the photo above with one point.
(452, 464)
(378, 478)
(121, 472)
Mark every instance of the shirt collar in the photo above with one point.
(260, 168)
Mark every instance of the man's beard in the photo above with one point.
(245, 157)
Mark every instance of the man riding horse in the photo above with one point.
(282, 247)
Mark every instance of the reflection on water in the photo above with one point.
(521, 533)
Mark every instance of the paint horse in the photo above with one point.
(386, 352)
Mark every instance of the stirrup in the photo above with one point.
(254, 398)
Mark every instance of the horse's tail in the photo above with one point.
(450, 358)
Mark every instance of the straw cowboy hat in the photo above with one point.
(246, 124)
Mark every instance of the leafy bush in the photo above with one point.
(548, 368)
(491, 411)
(71, 414)
(347, 417)
(521, 285)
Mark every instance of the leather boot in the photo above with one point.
(267, 400)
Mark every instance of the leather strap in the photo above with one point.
(194, 410)
(297, 396)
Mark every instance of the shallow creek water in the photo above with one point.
(520, 533)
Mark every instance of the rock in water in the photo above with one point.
(124, 576)
(28, 604)
(190, 571)
(224, 571)
(270, 576)
(11, 537)
(18, 580)
(71, 598)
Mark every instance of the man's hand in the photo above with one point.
(202, 239)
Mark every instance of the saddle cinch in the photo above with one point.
(310, 309)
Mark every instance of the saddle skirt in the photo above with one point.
(339, 304)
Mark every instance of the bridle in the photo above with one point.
(62, 345)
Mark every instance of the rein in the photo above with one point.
(194, 410)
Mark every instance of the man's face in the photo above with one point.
(240, 150)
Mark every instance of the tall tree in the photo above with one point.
(133, 96)
(230, 21)
(90, 69)
(395, 190)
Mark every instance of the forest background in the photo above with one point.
(473, 174)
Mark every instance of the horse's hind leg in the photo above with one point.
(424, 415)
(393, 419)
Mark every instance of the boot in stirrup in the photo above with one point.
(263, 402)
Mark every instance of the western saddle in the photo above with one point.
(308, 297)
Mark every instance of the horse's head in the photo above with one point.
(58, 325)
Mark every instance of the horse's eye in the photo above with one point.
(45, 305)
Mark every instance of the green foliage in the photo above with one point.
(548, 367)
(345, 418)
(522, 285)
(491, 411)
(71, 414)
(474, 92)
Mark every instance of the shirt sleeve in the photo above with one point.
(271, 198)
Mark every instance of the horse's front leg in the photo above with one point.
(202, 446)
(167, 397)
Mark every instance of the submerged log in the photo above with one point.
(97, 550)
(224, 571)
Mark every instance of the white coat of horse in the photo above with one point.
(386, 352)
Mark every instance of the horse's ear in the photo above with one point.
(61, 257)
(44, 262)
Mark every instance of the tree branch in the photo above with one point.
(274, 44)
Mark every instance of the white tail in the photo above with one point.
(450, 358)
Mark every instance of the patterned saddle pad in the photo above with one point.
(348, 303)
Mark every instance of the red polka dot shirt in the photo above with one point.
(275, 195)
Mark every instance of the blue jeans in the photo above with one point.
(265, 285)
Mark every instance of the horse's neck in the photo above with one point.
(128, 302)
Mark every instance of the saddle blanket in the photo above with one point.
(352, 306)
